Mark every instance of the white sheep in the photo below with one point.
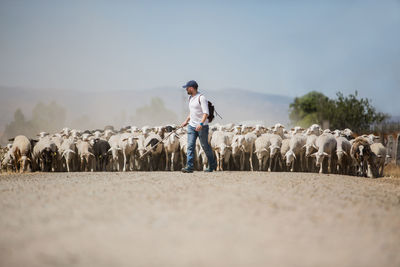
(68, 153)
(128, 145)
(262, 150)
(115, 151)
(326, 144)
(295, 154)
(222, 146)
(274, 148)
(311, 148)
(171, 147)
(376, 163)
(344, 161)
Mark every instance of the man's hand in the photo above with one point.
(198, 127)
(184, 124)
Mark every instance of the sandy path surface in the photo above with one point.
(217, 219)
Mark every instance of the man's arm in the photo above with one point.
(205, 116)
(186, 121)
(198, 127)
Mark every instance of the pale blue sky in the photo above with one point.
(280, 47)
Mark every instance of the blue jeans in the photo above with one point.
(191, 146)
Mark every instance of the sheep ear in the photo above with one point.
(294, 155)
(344, 152)
(264, 149)
(325, 154)
(314, 154)
(304, 146)
(124, 139)
(314, 146)
(379, 156)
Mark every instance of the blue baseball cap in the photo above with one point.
(191, 83)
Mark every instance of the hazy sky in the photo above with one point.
(281, 47)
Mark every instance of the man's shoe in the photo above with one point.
(187, 170)
(210, 169)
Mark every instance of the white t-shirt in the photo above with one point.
(198, 109)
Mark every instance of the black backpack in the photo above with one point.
(211, 110)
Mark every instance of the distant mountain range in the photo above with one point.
(117, 107)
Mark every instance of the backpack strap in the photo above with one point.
(199, 98)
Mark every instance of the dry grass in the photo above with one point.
(392, 170)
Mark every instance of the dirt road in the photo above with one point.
(217, 219)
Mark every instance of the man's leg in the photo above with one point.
(203, 136)
(191, 146)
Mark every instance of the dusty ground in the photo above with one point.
(217, 219)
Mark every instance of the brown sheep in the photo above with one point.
(361, 151)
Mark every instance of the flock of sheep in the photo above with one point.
(236, 147)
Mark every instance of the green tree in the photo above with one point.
(356, 114)
(313, 107)
(343, 112)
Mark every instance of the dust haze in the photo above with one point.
(30, 111)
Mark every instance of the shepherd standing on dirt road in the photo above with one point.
(198, 127)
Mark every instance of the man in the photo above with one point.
(198, 127)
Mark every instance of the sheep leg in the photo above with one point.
(329, 164)
(72, 165)
(276, 162)
(218, 161)
(82, 164)
(124, 154)
(242, 156)
(302, 163)
(67, 163)
(91, 159)
(251, 159)
(172, 161)
(166, 160)
(270, 164)
(182, 163)
(320, 168)
(133, 160)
